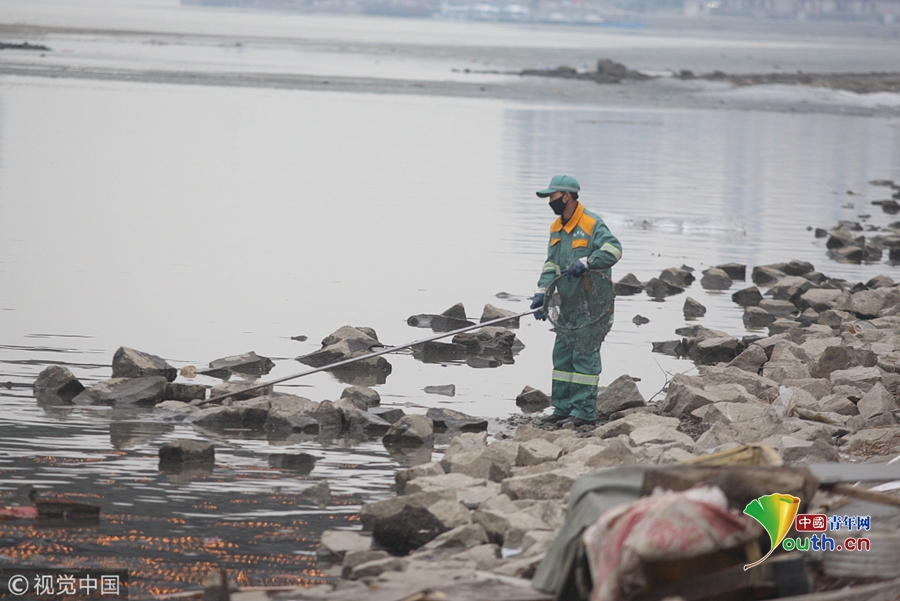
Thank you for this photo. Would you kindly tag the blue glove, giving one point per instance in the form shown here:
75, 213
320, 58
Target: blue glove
538, 303
575, 269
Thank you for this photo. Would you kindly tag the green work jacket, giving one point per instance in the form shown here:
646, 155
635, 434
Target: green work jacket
584, 235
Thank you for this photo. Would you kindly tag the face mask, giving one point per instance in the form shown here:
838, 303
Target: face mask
558, 205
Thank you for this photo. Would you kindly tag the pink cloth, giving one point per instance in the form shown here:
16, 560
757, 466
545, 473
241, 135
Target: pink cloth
665, 525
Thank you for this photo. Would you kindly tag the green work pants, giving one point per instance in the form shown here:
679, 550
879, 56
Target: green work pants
575, 379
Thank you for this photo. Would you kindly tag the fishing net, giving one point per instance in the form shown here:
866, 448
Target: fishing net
581, 309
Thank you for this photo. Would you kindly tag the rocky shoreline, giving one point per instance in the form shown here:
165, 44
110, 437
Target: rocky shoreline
611, 72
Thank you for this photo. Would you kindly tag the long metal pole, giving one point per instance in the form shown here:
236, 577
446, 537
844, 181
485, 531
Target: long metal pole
384, 351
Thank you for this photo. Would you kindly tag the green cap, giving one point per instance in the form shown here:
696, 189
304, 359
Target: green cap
560, 183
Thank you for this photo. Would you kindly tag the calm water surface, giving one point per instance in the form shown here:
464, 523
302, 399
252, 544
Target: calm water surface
200, 222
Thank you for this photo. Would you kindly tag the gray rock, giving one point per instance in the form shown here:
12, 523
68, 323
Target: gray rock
177, 454
536, 452
488, 339
334, 545
834, 318
291, 413
754, 317
622, 393
660, 289
747, 297
782, 325
251, 414
57, 384
790, 288
820, 299
176, 391
715, 350
676, 276
447, 419
425, 470
329, 417
443, 390
356, 558
440, 482
457, 311
628, 286
881, 281
129, 363
778, 308
247, 363
877, 406
817, 387
693, 309
660, 435
494, 462
362, 396
389, 414
736, 271
796, 267
842, 238
765, 275
779, 371
491, 312
547, 485
237, 391
532, 400
629, 423
410, 430
371, 569
715, 279
863, 378
834, 358
417, 527
751, 359
808, 318
673, 348
369, 424
124, 391
756, 386
462, 537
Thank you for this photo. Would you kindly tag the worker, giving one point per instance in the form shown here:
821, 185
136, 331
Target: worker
579, 241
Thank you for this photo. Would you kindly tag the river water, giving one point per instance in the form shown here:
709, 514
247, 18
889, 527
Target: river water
195, 222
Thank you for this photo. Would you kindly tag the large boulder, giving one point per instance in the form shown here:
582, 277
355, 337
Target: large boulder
129, 363
628, 286
736, 271
124, 391
715, 279
677, 276
410, 431
291, 413
790, 288
751, 359
754, 317
765, 275
622, 393
693, 309
863, 378
57, 384
660, 289
417, 527
715, 350
545, 485
820, 299
747, 297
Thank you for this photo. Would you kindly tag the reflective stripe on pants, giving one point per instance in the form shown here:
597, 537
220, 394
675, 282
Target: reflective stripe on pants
575, 378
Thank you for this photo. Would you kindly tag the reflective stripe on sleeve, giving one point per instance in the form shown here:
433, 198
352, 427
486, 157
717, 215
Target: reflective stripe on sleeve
612, 250
551, 266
